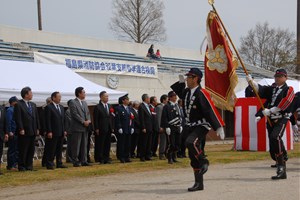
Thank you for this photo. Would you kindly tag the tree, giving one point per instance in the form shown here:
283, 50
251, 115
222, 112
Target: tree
140, 21
269, 47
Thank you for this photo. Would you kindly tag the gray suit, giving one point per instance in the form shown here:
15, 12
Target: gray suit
162, 136
79, 114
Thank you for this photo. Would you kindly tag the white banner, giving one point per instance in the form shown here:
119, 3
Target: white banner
99, 65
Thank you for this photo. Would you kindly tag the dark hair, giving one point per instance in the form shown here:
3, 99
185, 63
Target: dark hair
152, 99
69, 102
102, 93
25, 91
54, 95
198, 80
163, 98
179, 101
78, 91
144, 97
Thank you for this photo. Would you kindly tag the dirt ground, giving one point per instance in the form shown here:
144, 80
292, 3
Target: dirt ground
246, 180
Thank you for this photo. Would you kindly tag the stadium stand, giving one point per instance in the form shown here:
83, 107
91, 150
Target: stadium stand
24, 52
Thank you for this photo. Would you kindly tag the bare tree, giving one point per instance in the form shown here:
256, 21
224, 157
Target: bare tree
140, 21
266, 47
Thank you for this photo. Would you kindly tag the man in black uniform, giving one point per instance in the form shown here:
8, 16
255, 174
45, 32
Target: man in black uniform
279, 98
296, 122
171, 123
201, 115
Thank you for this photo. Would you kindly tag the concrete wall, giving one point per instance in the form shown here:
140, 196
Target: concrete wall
13, 34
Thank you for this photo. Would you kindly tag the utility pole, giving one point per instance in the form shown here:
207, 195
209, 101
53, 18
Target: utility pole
39, 14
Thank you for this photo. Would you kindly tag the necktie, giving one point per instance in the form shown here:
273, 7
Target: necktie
57, 107
188, 98
29, 107
106, 109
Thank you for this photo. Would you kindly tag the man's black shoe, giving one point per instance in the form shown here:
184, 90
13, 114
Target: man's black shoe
50, 167
61, 166
86, 164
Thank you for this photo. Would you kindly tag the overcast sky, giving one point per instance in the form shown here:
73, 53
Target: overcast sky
184, 19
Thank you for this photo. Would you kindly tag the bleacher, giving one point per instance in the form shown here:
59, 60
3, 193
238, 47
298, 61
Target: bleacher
24, 52
13, 51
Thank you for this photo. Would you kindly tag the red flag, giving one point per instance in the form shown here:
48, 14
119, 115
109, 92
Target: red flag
220, 66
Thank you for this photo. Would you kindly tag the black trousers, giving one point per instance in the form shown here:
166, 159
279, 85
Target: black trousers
154, 145
123, 146
194, 143
173, 141
26, 152
1, 149
54, 150
275, 133
102, 147
134, 142
145, 141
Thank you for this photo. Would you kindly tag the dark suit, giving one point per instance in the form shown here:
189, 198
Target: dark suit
145, 138
3, 130
79, 114
155, 130
135, 135
26, 119
54, 120
69, 134
124, 122
103, 121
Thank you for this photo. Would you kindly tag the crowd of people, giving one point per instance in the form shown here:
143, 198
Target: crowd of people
143, 130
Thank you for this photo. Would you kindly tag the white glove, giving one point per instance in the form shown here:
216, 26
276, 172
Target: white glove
298, 122
181, 78
220, 132
257, 119
295, 128
266, 112
275, 109
168, 131
180, 129
132, 130
120, 131
249, 78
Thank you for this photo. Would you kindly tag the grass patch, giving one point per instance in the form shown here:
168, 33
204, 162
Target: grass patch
217, 154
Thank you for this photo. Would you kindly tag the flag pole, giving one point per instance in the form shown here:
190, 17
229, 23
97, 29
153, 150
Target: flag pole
211, 2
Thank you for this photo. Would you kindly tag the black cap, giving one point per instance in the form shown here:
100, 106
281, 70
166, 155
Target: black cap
171, 93
122, 98
13, 99
195, 72
280, 72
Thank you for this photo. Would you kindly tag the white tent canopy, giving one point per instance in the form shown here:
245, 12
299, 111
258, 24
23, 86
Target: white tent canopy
44, 79
267, 81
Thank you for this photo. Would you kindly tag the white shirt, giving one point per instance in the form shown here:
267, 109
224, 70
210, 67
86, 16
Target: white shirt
193, 91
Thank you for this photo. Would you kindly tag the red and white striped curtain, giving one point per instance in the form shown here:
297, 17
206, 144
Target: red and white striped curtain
249, 135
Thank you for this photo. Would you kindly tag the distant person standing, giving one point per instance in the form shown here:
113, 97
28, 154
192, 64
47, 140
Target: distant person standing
27, 121
104, 127
56, 132
124, 125
80, 121
146, 123
162, 134
68, 120
12, 152
155, 132
171, 122
3, 132
135, 135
